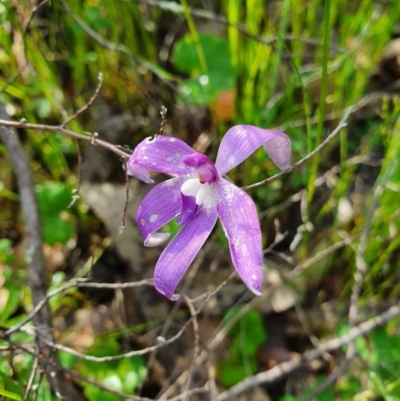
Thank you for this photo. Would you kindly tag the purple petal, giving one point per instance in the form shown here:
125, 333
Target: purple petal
242, 140
239, 220
189, 208
204, 166
139, 172
159, 206
163, 154
181, 251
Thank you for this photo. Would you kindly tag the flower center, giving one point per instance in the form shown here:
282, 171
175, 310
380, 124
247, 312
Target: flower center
200, 179
203, 192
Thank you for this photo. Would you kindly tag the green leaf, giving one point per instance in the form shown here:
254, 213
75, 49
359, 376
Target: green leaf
13, 301
67, 360
122, 375
204, 88
387, 351
249, 327
12, 387
232, 374
325, 395
5, 244
53, 197
216, 52
56, 230
10, 395
42, 106
248, 334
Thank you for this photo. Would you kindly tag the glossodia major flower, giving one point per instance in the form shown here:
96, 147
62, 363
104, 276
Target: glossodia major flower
199, 195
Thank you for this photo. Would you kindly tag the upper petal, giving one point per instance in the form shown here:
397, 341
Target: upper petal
163, 154
139, 172
181, 251
240, 222
159, 206
242, 140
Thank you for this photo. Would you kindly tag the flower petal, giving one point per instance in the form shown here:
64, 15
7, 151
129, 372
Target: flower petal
239, 220
189, 208
163, 154
181, 251
139, 172
242, 140
159, 206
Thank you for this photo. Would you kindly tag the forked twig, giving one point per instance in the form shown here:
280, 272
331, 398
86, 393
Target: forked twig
87, 104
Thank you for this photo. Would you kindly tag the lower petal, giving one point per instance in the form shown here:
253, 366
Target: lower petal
181, 251
239, 219
189, 208
159, 206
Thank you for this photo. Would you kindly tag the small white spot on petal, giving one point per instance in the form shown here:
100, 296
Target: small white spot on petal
235, 242
181, 166
145, 157
153, 217
231, 161
169, 158
143, 222
153, 163
254, 276
178, 154
169, 183
172, 139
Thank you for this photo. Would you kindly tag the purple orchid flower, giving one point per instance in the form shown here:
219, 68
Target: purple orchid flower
199, 194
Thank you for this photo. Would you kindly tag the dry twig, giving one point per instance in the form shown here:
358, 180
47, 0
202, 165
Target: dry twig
283, 369
35, 263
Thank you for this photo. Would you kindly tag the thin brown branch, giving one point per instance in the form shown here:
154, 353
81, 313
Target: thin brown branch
361, 264
125, 355
322, 254
87, 104
139, 352
25, 32
49, 364
79, 283
60, 129
35, 263
75, 192
122, 227
163, 114
196, 350
283, 369
31, 379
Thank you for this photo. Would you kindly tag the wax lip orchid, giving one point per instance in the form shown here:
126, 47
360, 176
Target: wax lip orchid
199, 195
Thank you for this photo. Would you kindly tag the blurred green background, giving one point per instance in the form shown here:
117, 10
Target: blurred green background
294, 65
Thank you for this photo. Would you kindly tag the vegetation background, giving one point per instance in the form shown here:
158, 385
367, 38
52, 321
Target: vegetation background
79, 318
